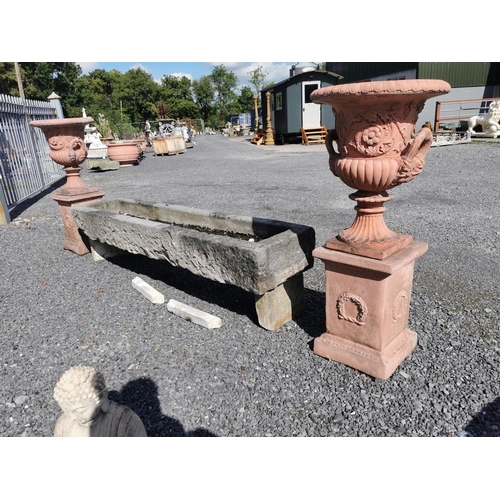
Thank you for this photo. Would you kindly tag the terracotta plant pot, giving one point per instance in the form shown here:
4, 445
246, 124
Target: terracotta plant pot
375, 123
126, 153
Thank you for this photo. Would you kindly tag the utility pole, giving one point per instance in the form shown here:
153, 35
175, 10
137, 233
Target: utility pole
19, 81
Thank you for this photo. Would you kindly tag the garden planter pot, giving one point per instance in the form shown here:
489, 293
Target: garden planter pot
126, 153
65, 137
375, 122
369, 267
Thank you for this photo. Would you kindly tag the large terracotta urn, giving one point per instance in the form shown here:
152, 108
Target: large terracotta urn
369, 267
376, 151
65, 137
124, 152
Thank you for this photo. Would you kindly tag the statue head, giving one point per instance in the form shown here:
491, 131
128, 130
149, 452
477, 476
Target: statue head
82, 395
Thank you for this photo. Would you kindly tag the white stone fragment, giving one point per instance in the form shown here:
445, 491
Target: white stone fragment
148, 291
195, 315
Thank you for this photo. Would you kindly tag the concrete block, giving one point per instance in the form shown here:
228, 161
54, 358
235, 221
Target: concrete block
148, 291
195, 315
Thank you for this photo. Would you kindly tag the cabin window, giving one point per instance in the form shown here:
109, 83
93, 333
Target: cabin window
308, 90
279, 100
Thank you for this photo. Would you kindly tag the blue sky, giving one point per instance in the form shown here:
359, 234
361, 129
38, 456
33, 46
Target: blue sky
277, 71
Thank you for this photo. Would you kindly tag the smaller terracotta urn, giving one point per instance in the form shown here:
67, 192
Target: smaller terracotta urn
124, 152
65, 137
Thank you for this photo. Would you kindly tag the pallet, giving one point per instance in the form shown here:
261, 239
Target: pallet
313, 135
258, 138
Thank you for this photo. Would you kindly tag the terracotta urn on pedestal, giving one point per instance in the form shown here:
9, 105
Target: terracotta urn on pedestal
369, 267
65, 137
124, 152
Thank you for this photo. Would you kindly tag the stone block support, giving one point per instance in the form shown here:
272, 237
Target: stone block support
367, 308
278, 306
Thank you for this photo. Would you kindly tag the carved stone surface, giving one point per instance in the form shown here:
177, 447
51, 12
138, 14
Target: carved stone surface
87, 412
375, 122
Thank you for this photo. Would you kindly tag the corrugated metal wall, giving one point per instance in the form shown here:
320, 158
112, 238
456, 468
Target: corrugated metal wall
457, 74
357, 71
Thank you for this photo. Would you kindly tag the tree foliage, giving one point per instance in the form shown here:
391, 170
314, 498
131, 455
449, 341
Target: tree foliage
257, 78
134, 96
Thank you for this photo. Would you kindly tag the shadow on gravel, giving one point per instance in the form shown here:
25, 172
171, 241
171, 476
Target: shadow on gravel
24, 205
487, 422
226, 296
312, 319
141, 396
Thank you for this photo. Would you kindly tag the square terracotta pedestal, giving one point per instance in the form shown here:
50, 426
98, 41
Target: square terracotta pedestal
367, 308
73, 240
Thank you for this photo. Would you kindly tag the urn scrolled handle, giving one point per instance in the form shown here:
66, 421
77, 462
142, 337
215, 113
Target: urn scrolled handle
76, 147
330, 138
412, 159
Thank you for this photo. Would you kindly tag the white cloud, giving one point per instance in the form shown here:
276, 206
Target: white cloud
141, 66
87, 67
180, 75
276, 72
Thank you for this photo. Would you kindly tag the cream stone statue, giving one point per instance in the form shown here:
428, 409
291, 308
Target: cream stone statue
87, 412
488, 121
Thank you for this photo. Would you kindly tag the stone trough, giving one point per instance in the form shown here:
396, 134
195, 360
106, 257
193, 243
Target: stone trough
263, 256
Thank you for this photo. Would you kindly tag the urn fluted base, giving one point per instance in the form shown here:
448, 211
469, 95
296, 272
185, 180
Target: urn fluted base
369, 235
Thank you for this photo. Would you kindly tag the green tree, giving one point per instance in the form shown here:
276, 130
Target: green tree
8, 80
204, 95
224, 83
245, 100
257, 78
136, 94
40, 79
96, 93
178, 95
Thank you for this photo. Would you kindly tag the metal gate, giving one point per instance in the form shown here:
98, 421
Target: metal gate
25, 165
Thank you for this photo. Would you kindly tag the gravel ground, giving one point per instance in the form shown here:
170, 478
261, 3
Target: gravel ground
59, 309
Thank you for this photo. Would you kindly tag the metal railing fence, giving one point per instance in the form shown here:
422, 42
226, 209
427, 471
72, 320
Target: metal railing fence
25, 165
460, 110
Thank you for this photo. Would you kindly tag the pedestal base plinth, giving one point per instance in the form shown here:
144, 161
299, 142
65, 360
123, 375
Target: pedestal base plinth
73, 240
379, 364
367, 309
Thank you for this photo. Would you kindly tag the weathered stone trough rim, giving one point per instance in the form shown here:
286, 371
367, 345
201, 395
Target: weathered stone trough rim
285, 250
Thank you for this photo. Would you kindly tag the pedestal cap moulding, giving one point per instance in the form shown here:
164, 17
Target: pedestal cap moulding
377, 150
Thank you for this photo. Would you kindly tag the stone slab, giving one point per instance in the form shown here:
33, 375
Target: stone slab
148, 291
102, 165
195, 315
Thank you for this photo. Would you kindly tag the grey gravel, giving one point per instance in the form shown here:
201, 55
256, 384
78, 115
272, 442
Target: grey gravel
59, 309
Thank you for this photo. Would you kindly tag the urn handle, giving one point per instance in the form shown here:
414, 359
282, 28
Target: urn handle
412, 161
334, 156
76, 147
